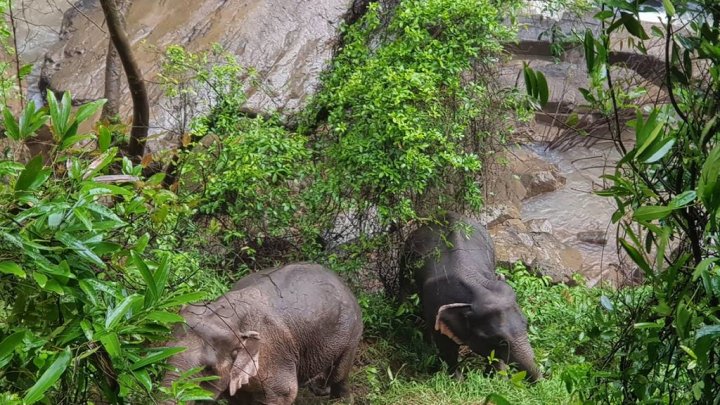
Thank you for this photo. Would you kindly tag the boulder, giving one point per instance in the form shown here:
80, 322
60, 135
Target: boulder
593, 237
539, 225
541, 252
288, 43
498, 214
543, 181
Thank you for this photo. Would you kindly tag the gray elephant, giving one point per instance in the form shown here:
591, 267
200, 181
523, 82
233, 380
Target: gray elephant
274, 329
463, 300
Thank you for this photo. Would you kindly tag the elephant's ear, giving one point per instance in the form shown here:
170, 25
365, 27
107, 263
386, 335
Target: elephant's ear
246, 362
450, 320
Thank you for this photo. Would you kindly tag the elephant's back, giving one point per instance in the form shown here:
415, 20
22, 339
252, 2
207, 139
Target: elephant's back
311, 301
458, 249
316, 309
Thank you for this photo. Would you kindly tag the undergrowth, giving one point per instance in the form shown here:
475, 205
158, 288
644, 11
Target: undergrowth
398, 365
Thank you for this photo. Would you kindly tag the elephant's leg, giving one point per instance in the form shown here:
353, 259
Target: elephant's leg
448, 351
339, 374
280, 390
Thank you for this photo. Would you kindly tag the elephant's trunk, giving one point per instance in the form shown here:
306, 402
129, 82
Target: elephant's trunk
521, 353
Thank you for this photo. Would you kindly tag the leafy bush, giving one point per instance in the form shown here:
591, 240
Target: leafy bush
398, 110
404, 118
565, 323
82, 299
569, 327
666, 189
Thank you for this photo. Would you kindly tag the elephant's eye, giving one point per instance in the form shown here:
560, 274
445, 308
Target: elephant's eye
234, 354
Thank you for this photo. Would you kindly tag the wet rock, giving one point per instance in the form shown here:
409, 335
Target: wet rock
593, 237
498, 214
539, 225
541, 182
288, 43
541, 252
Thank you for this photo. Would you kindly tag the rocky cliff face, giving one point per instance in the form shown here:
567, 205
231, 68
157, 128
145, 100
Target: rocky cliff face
288, 42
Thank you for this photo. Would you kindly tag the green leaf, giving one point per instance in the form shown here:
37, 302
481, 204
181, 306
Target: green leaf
8, 345
25, 70
31, 176
709, 331
11, 126
89, 292
58, 124
165, 317
636, 257
100, 163
31, 120
659, 151
496, 399
528, 81
12, 268
86, 110
683, 199
649, 213
144, 379
682, 319
633, 26
111, 343
104, 138
703, 266
80, 248
55, 219
606, 303
40, 279
156, 357
115, 315
669, 8
708, 187
161, 274
151, 295
105, 212
183, 299
650, 138
49, 377
92, 188
589, 45
82, 215
543, 91
73, 139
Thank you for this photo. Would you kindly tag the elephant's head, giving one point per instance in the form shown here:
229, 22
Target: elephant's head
219, 349
491, 322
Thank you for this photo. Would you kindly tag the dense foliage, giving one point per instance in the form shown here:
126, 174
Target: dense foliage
569, 331
95, 257
666, 188
84, 296
396, 112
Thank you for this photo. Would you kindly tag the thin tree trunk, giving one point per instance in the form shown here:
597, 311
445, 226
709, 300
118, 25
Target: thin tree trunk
141, 108
113, 66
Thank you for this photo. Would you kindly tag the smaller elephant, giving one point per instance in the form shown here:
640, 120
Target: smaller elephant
275, 329
463, 301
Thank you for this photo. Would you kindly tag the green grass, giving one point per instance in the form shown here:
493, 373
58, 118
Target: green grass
398, 366
441, 389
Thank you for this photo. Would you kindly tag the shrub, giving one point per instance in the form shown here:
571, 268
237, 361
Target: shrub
82, 299
666, 189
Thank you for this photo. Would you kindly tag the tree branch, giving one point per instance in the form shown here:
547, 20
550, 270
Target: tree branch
141, 107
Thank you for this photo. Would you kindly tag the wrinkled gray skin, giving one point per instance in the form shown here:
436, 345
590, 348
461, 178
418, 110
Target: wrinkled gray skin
275, 328
463, 301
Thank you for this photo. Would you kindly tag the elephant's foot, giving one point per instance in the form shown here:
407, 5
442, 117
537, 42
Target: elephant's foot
339, 390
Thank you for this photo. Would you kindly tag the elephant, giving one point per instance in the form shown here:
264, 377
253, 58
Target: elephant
275, 329
463, 301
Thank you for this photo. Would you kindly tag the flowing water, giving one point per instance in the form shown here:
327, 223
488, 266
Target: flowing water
580, 218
